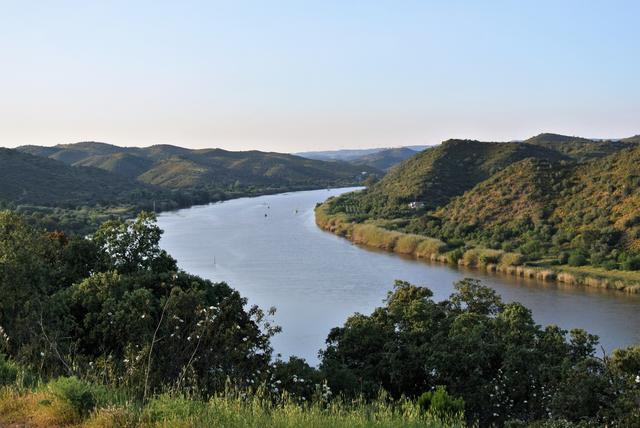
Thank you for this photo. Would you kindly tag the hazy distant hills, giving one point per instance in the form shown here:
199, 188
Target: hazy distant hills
384, 159
175, 167
381, 158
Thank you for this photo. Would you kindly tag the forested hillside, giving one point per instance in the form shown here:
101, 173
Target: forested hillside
27, 179
576, 203
435, 176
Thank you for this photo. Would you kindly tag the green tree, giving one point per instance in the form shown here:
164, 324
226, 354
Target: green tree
130, 246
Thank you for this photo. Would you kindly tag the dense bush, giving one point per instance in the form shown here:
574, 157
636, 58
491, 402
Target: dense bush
490, 354
116, 308
80, 395
439, 402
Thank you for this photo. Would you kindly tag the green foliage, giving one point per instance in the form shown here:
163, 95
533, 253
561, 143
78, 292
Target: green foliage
116, 308
575, 200
577, 259
209, 170
76, 187
8, 371
439, 402
490, 354
81, 395
631, 263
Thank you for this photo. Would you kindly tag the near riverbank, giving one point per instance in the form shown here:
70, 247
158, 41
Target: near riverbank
426, 248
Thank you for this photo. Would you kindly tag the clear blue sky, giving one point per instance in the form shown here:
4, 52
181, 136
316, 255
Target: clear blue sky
304, 75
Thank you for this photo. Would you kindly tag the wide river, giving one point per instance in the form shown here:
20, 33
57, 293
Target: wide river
270, 249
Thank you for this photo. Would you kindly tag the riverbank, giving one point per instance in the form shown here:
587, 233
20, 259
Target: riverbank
426, 248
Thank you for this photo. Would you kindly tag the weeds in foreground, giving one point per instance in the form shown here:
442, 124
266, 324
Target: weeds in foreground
73, 402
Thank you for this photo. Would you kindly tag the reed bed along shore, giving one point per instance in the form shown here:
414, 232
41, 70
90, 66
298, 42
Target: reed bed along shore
490, 260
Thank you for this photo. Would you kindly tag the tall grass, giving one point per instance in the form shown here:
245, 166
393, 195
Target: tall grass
76, 405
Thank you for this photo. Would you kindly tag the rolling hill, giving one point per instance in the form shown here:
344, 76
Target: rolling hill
355, 155
581, 149
553, 198
29, 179
385, 159
211, 170
434, 176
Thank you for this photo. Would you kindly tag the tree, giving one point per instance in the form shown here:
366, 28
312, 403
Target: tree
131, 246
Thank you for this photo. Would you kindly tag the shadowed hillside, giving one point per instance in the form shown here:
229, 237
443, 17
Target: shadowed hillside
28, 179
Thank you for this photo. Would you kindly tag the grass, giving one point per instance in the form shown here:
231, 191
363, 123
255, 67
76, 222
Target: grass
48, 405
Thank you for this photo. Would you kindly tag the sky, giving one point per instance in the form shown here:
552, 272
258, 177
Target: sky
292, 76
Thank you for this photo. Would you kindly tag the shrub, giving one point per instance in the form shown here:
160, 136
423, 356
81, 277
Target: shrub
407, 244
440, 403
577, 259
8, 371
429, 246
631, 263
563, 258
455, 255
470, 258
487, 256
512, 259
82, 396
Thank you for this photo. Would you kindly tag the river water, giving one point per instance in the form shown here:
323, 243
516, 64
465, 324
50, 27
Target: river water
270, 249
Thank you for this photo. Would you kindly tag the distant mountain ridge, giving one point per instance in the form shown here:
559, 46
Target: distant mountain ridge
349, 155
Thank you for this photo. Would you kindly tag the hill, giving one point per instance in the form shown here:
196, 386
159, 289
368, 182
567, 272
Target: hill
385, 159
211, 170
434, 176
581, 149
552, 199
541, 209
28, 179
354, 155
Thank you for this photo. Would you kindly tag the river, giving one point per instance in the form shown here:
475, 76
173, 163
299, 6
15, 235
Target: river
270, 249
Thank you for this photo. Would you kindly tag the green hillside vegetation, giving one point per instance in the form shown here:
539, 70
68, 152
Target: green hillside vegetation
581, 149
32, 180
125, 164
75, 187
579, 208
435, 176
385, 159
209, 170
589, 213
107, 331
